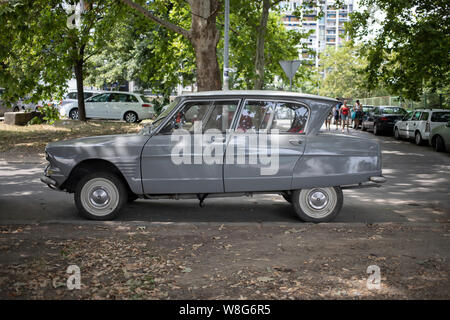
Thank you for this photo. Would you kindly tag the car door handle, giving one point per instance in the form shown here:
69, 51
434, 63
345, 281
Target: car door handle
296, 142
218, 139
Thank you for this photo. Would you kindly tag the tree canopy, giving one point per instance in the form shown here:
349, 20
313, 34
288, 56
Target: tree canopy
406, 43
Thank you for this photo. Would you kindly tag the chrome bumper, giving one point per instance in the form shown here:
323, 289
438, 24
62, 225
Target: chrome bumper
49, 182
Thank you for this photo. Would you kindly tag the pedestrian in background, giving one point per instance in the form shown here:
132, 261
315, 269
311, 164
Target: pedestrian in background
358, 114
336, 113
344, 115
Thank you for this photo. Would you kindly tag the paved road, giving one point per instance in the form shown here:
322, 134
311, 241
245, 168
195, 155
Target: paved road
418, 190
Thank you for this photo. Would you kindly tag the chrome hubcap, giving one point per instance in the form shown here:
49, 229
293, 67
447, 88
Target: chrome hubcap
130, 117
317, 199
99, 197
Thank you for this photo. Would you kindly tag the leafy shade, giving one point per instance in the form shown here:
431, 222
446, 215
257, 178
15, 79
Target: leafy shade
407, 46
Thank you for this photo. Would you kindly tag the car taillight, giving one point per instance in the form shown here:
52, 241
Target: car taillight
145, 105
427, 127
384, 119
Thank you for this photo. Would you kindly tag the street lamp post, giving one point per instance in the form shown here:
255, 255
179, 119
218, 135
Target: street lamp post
225, 46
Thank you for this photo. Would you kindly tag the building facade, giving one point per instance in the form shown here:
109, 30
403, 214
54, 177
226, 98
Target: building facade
326, 31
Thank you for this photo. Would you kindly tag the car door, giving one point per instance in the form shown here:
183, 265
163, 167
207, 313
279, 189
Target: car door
412, 124
263, 149
402, 125
370, 118
96, 106
117, 105
186, 155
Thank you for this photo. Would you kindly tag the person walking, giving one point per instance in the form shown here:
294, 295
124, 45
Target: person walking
336, 113
344, 115
358, 114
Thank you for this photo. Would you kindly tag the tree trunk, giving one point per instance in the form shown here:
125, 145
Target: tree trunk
258, 82
80, 92
204, 39
203, 36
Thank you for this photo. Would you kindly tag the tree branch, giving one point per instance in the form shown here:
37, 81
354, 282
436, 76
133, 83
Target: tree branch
164, 23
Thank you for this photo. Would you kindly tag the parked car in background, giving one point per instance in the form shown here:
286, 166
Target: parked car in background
118, 105
418, 124
308, 168
73, 96
440, 137
382, 119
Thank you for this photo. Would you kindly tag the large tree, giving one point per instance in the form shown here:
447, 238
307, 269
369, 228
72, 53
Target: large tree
202, 34
407, 44
45, 48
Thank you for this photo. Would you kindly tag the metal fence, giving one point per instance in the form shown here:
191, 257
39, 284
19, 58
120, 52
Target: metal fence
427, 101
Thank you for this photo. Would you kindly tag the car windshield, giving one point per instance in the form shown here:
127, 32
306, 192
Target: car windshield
393, 110
164, 113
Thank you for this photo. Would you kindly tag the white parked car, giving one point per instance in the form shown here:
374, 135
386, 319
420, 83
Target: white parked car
418, 124
131, 107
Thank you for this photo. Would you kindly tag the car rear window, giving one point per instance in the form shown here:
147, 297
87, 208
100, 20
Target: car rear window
440, 116
393, 111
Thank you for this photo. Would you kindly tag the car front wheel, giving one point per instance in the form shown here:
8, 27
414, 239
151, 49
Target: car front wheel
418, 139
317, 204
396, 134
440, 146
100, 196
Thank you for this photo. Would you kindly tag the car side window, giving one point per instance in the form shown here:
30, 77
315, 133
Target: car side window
424, 116
187, 116
290, 118
118, 97
132, 98
375, 110
221, 115
416, 116
99, 98
256, 115
271, 115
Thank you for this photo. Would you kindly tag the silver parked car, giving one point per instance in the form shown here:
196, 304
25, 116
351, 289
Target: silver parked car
214, 144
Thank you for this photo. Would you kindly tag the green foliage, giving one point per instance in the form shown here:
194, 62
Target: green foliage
344, 72
35, 120
51, 114
407, 44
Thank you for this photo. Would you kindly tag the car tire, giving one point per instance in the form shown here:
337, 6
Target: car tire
73, 114
418, 139
16, 109
318, 204
130, 117
363, 128
439, 144
100, 196
376, 131
397, 134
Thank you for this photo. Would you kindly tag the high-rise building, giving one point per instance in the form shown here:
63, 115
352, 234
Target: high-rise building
326, 31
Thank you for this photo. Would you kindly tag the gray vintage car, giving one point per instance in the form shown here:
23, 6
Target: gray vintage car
218, 144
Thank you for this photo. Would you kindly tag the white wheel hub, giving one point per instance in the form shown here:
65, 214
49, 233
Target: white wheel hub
318, 202
99, 196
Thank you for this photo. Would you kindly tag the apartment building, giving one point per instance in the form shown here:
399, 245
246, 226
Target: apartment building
326, 31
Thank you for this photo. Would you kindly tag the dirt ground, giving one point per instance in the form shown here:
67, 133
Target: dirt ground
184, 261
21, 143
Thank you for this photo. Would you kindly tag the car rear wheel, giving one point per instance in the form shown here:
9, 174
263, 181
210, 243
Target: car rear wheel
418, 138
16, 109
130, 117
317, 204
73, 114
439, 145
100, 196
